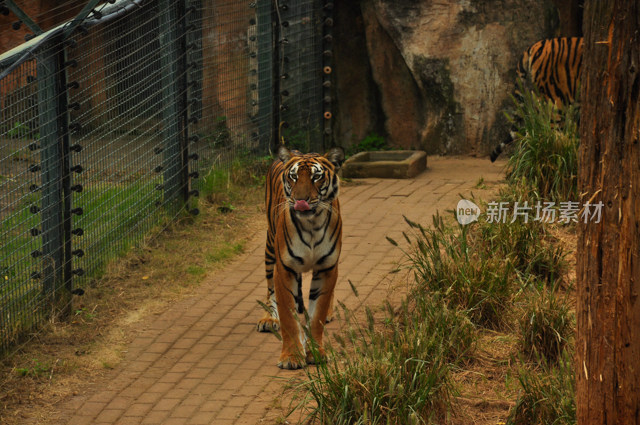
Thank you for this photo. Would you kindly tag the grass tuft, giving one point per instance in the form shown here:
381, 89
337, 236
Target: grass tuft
395, 370
548, 395
546, 153
448, 260
546, 325
223, 185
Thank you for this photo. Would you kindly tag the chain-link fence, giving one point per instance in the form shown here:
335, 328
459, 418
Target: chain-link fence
109, 122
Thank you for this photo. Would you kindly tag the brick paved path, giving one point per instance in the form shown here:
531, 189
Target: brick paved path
202, 361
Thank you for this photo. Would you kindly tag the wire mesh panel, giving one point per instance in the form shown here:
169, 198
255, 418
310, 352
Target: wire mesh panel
20, 202
119, 134
300, 69
112, 121
227, 76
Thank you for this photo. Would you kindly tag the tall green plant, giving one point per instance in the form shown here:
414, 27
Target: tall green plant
451, 261
528, 246
546, 325
546, 153
548, 395
397, 370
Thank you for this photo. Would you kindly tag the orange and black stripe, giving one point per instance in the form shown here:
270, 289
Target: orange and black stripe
552, 67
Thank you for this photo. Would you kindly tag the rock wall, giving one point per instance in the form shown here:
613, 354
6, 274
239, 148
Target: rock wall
440, 71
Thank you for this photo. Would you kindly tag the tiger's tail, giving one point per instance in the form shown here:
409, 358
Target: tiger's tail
497, 151
502, 146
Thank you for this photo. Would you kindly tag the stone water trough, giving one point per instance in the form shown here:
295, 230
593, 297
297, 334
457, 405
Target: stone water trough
385, 164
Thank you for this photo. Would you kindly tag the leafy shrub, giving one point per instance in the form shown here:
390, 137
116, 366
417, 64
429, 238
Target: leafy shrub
373, 142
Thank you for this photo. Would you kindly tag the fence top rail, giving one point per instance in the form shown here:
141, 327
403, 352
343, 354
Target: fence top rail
14, 57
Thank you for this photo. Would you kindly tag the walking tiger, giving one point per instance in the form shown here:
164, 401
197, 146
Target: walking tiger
304, 234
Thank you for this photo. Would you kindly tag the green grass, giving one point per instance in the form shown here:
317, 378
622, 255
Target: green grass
18, 243
481, 266
448, 259
373, 142
195, 270
546, 325
219, 183
35, 370
112, 220
110, 214
115, 217
542, 168
547, 396
546, 152
527, 247
395, 370
225, 251
20, 295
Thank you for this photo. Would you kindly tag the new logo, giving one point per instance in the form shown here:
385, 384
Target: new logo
467, 212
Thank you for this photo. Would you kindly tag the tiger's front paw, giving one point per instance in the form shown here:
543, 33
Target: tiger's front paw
268, 324
291, 362
316, 356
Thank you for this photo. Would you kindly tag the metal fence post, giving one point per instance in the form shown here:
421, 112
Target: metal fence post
193, 41
55, 169
171, 27
300, 79
327, 68
266, 125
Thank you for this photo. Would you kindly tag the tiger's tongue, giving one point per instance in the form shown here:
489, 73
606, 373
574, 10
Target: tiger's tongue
301, 205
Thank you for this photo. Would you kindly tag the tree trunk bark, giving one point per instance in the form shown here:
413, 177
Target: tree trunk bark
608, 267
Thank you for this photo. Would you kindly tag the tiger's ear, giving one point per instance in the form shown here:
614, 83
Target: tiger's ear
283, 153
336, 157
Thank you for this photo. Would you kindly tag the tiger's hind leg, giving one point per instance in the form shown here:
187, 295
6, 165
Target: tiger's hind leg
270, 321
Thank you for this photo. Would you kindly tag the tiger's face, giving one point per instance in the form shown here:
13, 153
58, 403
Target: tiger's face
310, 181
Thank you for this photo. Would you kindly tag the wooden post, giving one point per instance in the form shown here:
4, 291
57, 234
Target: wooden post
608, 266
